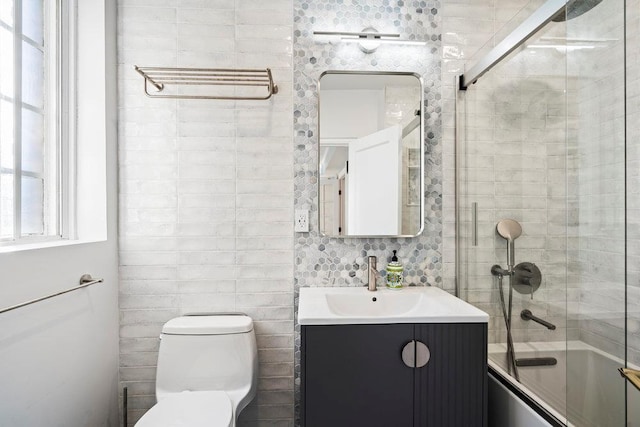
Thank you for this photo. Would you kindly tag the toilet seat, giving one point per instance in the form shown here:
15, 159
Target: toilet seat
190, 409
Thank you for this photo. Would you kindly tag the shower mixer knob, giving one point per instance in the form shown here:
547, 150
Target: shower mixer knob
526, 278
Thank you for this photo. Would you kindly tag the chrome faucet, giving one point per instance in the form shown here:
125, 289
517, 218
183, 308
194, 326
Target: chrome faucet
372, 273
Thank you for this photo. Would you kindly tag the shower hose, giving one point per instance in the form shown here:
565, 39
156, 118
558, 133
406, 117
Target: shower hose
511, 357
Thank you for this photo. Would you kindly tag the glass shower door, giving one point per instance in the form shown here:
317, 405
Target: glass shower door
596, 196
632, 92
513, 165
541, 140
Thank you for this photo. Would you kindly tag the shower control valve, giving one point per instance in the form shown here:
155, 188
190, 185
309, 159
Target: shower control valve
498, 271
527, 278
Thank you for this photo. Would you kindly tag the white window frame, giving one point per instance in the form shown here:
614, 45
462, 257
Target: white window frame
67, 58
59, 133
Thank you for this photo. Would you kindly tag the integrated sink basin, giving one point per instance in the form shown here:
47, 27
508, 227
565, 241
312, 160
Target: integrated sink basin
390, 303
358, 305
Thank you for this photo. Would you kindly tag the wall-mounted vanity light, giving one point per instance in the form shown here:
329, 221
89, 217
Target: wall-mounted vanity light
368, 39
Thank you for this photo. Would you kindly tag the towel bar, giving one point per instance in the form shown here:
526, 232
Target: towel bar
85, 280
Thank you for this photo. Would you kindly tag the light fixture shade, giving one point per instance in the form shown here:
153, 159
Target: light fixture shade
369, 39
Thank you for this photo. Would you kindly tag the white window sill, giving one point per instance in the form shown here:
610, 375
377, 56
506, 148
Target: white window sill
44, 245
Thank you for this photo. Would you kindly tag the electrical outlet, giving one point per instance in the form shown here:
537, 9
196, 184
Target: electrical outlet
301, 219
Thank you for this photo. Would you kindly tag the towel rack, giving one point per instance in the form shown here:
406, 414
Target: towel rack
162, 77
85, 280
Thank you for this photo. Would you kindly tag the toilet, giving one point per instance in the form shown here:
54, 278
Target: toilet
207, 371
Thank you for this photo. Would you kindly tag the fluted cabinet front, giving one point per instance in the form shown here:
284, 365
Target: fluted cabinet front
403, 375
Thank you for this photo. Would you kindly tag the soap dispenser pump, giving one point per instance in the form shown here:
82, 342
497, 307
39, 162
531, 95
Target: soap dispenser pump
395, 273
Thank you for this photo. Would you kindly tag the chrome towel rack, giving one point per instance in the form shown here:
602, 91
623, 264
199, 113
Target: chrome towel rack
160, 78
85, 280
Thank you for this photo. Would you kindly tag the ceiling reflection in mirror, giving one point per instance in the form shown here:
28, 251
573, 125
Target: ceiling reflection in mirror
370, 158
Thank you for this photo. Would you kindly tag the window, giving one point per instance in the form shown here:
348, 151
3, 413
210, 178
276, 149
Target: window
31, 128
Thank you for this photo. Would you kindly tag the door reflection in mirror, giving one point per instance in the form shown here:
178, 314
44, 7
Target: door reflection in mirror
371, 154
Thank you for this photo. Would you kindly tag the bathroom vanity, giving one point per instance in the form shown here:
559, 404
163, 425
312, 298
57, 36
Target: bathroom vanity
415, 357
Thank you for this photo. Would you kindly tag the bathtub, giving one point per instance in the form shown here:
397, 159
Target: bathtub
593, 396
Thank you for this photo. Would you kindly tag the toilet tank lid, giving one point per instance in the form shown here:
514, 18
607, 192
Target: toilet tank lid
208, 325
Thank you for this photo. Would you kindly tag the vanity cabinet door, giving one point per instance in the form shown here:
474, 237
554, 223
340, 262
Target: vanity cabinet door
353, 375
451, 389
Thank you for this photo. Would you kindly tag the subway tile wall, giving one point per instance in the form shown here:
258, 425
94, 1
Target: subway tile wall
206, 190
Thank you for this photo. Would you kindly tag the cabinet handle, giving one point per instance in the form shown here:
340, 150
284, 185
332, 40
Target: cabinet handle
415, 354
422, 354
409, 354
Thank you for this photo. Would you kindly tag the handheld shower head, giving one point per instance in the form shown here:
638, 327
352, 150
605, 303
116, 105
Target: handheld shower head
510, 230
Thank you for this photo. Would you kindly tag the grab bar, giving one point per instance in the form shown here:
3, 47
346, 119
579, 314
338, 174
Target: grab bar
528, 315
85, 280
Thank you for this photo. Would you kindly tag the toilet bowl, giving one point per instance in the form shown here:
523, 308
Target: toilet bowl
191, 409
207, 371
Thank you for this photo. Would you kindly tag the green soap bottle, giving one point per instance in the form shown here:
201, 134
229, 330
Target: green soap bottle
395, 273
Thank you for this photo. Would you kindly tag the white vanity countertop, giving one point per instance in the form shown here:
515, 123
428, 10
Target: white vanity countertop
356, 305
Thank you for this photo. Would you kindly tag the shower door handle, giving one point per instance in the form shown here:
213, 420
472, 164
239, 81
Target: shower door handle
474, 224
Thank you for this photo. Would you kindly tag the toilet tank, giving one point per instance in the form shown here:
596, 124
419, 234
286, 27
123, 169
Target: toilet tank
208, 353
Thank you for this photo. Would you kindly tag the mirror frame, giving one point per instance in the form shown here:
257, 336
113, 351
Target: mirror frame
422, 148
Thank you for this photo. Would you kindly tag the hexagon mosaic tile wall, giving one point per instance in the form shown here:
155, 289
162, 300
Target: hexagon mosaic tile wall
325, 261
